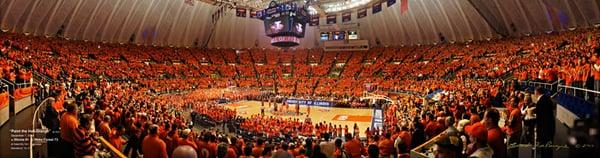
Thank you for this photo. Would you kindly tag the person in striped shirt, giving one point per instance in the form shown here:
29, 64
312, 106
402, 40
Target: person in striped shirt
84, 142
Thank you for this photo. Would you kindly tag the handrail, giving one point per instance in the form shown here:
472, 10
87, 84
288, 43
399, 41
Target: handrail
112, 149
541, 83
577, 88
35, 118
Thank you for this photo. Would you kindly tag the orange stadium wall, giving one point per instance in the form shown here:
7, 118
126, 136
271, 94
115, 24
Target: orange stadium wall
23, 103
4, 101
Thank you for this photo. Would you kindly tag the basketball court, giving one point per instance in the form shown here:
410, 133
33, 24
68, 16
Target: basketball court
333, 115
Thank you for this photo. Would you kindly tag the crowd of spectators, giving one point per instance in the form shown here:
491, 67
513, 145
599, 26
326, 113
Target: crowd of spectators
136, 121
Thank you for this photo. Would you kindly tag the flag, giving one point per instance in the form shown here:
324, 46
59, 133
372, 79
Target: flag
403, 6
331, 19
314, 20
362, 13
376, 7
391, 2
346, 16
240, 12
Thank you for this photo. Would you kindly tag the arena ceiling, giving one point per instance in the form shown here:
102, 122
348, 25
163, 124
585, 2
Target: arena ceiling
176, 23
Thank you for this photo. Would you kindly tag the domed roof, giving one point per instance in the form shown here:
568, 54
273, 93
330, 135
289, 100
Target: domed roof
179, 23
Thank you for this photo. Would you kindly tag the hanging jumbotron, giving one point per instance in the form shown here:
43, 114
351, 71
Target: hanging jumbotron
285, 22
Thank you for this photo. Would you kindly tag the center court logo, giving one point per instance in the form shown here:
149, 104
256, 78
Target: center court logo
342, 118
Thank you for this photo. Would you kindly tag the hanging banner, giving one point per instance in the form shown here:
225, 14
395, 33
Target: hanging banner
362, 13
331, 19
376, 7
346, 16
240, 12
253, 14
314, 20
391, 2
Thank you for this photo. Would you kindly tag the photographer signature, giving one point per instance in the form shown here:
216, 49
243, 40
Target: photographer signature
550, 145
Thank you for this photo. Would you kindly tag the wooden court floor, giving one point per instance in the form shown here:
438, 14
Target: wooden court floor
333, 115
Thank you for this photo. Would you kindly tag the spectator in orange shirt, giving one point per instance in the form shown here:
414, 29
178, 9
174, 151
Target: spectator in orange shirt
479, 145
247, 152
68, 126
116, 140
153, 146
495, 136
258, 149
595, 68
386, 146
353, 147
514, 125
104, 130
185, 140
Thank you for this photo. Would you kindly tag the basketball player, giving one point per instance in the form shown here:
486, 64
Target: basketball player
262, 109
307, 110
298, 109
287, 107
356, 130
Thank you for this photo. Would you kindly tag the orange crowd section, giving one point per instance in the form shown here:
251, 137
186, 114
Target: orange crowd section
23, 92
60, 101
4, 100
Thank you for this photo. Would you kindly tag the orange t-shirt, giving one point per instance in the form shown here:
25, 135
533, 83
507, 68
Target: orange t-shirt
257, 151
117, 142
596, 71
354, 148
154, 147
407, 138
187, 142
385, 147
68, 125
104, 130
495, 139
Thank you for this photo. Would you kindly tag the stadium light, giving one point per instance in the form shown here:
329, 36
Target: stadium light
343, 5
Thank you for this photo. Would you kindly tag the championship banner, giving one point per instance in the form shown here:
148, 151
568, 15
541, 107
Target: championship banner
314, 20
391, 2
240, 12
376, 7
346, 16
331, 19
362, 13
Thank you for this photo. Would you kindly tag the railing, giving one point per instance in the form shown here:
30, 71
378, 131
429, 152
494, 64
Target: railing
549, 86
37, 119
576, 91
24, 85
114, 151
10, 86
41, 77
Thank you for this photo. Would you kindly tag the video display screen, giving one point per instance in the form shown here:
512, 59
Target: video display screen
339, 35
352, 35
285, 20
324, 36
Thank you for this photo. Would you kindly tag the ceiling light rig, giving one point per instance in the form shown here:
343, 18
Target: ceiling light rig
316, 7
343, 5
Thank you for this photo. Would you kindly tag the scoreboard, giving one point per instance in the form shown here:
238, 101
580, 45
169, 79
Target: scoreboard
285, 23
